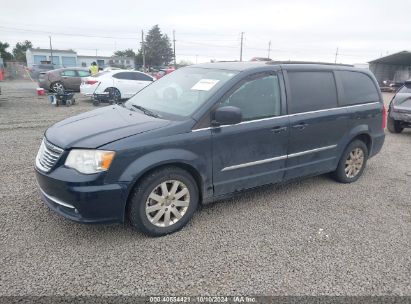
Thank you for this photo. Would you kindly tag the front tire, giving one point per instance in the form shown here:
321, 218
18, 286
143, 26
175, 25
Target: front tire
352, 162
163, 202
394, 126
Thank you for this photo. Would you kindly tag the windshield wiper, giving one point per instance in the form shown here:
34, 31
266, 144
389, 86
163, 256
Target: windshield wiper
146, 111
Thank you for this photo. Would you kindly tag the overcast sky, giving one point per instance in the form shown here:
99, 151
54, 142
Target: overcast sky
298, 30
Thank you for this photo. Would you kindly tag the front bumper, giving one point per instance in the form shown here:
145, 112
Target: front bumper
82, 198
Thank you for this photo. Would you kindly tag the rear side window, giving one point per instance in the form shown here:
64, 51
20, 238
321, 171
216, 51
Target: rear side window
69, 73
357, 88
141, 77
311, 91
124, 75
83, 73
405, 89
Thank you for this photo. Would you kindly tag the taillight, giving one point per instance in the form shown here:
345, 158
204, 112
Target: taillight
384, 117
91, 81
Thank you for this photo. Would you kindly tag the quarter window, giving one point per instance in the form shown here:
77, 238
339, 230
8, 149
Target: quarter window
357, 88
311, 91
257, 98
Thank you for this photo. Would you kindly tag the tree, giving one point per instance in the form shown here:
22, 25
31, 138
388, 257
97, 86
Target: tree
158, 49
183, 63
125, 53
3, 51
20, 49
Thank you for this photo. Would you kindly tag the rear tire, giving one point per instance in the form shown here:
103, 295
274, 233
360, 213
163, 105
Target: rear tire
394, 126
352, 162
57, 87
114, 95
163, 201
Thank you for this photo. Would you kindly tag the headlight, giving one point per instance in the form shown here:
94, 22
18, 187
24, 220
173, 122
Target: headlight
89, 161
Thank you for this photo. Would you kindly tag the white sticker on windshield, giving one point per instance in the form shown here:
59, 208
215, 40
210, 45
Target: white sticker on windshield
205, 84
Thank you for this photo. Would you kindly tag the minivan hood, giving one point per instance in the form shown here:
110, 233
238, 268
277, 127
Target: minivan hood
98, 127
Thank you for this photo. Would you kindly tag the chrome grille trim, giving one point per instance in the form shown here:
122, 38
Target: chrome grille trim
56, 200
47, 156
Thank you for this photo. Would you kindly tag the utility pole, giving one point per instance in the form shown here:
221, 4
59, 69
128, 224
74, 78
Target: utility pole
143, 51
174, 48
241, 46
336, 56
269, 49
51, 50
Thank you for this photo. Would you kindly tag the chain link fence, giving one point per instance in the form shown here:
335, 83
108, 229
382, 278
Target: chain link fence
16, 70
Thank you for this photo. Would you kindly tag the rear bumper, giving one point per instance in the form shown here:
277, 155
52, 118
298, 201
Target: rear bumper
377, 143
88, 90
405, 117
82, 201
44, 85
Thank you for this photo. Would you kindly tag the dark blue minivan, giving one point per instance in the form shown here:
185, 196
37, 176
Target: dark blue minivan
205, 132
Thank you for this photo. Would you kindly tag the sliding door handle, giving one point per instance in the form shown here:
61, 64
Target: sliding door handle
278, 129
300, 126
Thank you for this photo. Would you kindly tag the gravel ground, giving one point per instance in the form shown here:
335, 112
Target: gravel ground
311, 237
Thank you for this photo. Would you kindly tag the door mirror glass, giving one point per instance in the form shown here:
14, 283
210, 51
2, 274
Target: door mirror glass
227, 115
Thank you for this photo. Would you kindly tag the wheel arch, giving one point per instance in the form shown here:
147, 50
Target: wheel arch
360, 132
143, 168
366, 138
113, 87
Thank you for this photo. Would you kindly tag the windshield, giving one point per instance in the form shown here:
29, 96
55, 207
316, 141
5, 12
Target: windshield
405, 89
182, 92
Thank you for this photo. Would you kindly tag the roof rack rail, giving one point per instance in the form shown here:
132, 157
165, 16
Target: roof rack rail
308, 62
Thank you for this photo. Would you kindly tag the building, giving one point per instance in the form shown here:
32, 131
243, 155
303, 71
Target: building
60, 57
123, 62
70, 58
395, 67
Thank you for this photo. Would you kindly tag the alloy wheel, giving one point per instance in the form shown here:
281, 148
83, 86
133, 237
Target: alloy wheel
58, 87
354, 162
167, 203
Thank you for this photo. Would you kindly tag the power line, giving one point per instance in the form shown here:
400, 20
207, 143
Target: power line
65, 34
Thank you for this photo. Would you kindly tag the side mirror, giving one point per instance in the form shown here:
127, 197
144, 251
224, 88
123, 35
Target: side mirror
227, 115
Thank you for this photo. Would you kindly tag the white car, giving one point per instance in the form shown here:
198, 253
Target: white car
119, 84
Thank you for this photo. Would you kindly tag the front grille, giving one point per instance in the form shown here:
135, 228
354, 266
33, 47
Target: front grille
47, 156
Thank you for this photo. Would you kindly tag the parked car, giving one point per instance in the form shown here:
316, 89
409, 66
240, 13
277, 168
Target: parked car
399, 111
229, 127
160, 73
37, 69
260, 59
63, 79
120, 84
